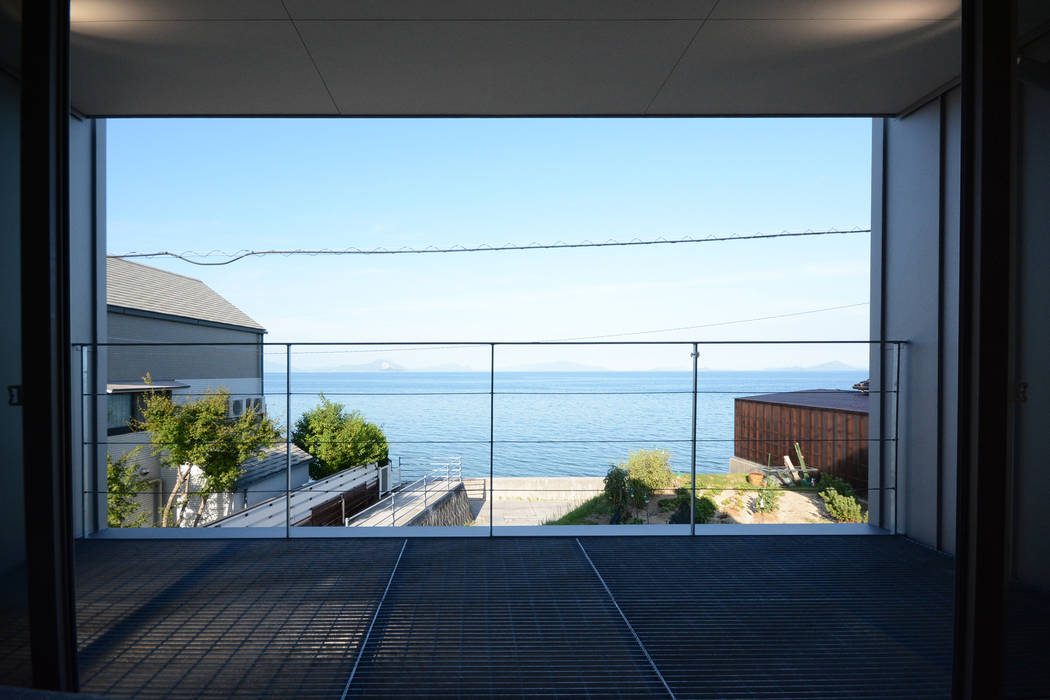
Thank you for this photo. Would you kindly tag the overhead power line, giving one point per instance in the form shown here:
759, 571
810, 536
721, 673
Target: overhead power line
719, 323
199, 258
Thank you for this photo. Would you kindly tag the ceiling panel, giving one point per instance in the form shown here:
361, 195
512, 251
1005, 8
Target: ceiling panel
495, 67
812, 67
125, 10
160, 68
497, 9
838, 9
1032, 17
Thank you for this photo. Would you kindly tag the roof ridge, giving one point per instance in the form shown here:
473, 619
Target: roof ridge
150, 267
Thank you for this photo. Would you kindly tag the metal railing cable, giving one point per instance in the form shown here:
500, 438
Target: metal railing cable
501, 390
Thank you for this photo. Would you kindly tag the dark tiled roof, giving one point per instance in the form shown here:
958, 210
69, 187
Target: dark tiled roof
834, 399
130, 285
272, 461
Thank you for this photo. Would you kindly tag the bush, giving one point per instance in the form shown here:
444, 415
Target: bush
767, 501
617, 489
703, 508
650, 469
338, 440
833, 482
842, 508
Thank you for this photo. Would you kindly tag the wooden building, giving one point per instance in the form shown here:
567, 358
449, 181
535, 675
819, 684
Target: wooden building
830, 426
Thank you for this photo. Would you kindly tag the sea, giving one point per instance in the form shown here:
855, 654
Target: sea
545, 424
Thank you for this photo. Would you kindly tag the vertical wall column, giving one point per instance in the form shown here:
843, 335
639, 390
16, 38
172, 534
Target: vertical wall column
87, 310
915, 297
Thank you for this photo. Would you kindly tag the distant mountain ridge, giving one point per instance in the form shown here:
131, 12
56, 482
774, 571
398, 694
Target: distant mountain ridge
833, 366
373, 366
563, 366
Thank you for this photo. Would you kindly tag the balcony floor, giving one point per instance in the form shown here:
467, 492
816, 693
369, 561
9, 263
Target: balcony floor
718, 616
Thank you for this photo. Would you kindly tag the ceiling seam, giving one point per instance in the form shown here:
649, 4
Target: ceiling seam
681, 56
311, 57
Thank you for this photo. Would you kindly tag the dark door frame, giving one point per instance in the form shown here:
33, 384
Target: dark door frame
45, 342
988, 29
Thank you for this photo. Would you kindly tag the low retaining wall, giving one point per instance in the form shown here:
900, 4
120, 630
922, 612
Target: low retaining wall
451, 510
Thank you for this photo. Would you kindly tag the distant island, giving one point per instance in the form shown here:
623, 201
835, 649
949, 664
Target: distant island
382, 365
374, 366
553, 367
833, 366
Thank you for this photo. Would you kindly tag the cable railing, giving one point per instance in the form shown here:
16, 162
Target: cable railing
535, 444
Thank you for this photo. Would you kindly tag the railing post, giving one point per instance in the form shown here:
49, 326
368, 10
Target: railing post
692, 460
492, 433
424, 491
288, 440
896, 436
393, 508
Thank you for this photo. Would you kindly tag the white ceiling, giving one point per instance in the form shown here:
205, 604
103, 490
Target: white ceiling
510, 57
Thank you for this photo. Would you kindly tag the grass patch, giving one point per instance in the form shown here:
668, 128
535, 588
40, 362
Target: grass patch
581, 514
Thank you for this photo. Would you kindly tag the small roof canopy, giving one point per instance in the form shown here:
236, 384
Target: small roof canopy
507, 57
137, 387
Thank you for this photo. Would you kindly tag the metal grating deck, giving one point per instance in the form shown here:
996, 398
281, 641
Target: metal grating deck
220, 618
721, 616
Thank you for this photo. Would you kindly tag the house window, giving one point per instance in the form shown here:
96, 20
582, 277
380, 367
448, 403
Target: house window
118, 412
124, 411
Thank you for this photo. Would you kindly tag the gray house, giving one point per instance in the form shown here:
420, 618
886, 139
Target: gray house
148, 305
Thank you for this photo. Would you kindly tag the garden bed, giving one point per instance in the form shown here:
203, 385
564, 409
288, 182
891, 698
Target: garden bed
733, 497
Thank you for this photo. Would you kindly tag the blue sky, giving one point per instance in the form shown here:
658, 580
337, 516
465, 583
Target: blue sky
228, 184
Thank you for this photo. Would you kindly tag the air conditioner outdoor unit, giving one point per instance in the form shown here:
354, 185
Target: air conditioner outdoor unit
384, 479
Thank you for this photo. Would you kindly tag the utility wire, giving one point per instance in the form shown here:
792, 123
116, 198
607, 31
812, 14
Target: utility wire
197, 258
712, 325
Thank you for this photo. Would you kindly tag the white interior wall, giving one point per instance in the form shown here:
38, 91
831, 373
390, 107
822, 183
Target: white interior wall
915, 222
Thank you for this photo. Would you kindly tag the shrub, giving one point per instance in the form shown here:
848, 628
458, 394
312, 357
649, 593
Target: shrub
650, 469
767, 500
338, 440
833, 482
842, 508
703, 508
639, 493
617, 489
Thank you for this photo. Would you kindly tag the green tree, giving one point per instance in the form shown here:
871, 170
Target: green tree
199, 434
124, 483
337, 439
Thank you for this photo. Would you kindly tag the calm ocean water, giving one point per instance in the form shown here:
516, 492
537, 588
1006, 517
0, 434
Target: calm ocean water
547, 423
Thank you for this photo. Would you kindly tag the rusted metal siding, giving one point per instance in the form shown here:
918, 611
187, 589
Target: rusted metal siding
832, 440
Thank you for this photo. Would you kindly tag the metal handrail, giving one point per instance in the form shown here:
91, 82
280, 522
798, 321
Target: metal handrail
448, 472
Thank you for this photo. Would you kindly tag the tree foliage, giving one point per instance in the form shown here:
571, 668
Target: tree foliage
123, 484
199, 434
617, 489
650, 469
338, 439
